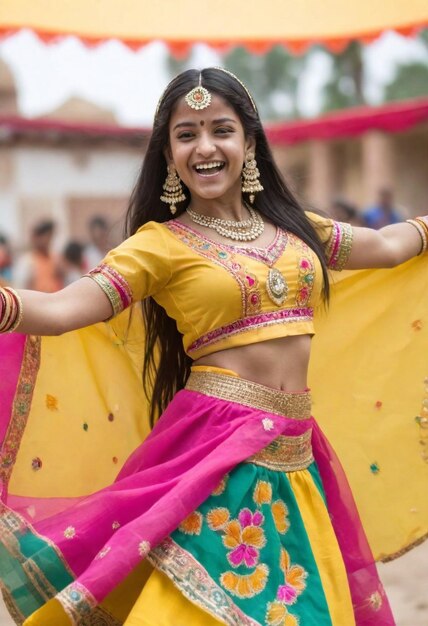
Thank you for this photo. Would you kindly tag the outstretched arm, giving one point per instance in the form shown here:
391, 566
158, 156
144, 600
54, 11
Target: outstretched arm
387, 247
80, 304
138, 268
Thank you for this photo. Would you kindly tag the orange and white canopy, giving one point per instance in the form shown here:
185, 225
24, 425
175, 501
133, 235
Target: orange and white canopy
256, 24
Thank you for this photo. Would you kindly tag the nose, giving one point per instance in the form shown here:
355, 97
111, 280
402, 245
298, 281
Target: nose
205, 146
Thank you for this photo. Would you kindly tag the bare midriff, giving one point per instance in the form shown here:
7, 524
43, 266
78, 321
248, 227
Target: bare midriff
278, 363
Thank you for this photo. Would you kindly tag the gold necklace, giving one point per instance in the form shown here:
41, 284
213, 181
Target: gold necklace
244, 230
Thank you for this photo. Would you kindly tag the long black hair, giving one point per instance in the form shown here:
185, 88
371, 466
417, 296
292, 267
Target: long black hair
166, 365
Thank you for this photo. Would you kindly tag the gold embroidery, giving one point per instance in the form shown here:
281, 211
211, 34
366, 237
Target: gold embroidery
11, 606
196, 584
81, 607
285, 454
10, 523
404, 550
21, 407
109, 290
339, 246
248, 393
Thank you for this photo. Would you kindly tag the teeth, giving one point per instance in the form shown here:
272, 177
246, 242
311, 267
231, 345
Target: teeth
208, 166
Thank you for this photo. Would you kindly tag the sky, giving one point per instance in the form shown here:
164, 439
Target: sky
130, 83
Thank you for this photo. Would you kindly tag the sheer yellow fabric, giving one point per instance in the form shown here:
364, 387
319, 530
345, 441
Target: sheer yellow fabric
368, 375
324, 547
162, 604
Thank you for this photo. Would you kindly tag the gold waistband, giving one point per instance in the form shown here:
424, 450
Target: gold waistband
248, 393
286, 454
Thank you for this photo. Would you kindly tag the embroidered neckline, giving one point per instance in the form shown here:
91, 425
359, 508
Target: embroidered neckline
268, 255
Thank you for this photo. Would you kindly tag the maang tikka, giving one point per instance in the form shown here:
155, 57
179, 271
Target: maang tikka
198, 98
173, 191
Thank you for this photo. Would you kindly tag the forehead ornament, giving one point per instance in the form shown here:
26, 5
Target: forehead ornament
199, 97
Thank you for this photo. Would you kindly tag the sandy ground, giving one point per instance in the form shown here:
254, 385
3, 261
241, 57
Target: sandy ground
405, 581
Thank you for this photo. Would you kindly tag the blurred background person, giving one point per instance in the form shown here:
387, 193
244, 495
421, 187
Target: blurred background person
73, 264
39, 267
383, 212
342, 210
5, 261
99, 231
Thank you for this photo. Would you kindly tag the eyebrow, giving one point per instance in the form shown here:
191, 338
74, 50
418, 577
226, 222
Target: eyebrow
221, 120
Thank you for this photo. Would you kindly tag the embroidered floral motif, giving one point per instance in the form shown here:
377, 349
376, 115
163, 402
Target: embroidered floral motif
225, 257
376, 601
246, 585
245, 538
218, 518
70, 532
306, 270
192, 525
221, 486
278, 615
267, 255
268, 424
115, 525
36, 464
144, 548
262, 492
280, 516
51, 402
287, 594
103, 553
374, 468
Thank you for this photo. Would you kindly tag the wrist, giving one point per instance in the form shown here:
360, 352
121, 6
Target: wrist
10, 310
421, 225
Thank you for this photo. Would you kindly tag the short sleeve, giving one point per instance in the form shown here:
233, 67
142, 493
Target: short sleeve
337, 238
139, 267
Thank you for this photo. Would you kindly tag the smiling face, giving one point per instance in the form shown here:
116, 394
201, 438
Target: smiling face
208, 149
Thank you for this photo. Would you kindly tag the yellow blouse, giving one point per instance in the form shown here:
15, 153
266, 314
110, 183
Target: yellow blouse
223, 296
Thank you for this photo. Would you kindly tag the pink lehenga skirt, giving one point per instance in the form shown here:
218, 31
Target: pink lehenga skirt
215, 499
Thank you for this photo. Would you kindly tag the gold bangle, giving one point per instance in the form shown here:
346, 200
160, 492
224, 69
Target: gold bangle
19, 312
12, 312
7, 311
423, 234
423, 221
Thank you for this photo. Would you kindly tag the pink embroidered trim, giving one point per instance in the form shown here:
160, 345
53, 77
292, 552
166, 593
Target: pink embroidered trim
223, 256
267, 255
299, 314
334, 246
340, 246
114, 285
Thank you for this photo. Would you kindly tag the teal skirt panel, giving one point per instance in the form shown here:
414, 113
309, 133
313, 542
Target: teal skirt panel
250, 538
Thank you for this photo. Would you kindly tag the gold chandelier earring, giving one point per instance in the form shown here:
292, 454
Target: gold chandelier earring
250, 177
173, 191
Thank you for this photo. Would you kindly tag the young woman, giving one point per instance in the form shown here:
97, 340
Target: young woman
235, 509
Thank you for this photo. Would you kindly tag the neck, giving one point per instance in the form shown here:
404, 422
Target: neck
235, 210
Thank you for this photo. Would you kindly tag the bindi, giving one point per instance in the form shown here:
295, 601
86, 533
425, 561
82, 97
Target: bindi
202, 123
